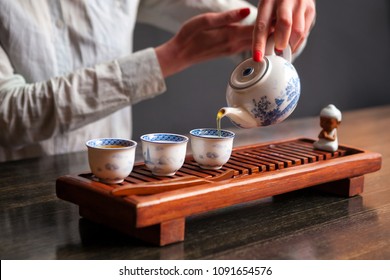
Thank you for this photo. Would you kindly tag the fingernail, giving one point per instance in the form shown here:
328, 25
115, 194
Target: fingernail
244, 12
257, 56
278, 51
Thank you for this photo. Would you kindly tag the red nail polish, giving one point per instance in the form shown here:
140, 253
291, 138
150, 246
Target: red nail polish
244, 12
278, 52
257, 56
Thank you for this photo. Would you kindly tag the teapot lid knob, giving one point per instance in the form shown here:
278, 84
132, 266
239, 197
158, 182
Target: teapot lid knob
248, 73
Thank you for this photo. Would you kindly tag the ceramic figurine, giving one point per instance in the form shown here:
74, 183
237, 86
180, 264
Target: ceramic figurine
330, 118
262, 93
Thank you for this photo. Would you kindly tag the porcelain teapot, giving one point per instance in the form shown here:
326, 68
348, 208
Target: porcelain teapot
262, 93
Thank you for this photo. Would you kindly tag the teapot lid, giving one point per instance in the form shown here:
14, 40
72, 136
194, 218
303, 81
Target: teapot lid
248, 73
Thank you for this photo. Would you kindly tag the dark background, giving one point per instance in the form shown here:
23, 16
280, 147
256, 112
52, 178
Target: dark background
345, 63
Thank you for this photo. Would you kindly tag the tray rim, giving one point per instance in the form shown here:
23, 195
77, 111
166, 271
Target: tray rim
153, 209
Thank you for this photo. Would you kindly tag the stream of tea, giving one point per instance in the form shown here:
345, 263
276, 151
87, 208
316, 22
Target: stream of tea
219, 117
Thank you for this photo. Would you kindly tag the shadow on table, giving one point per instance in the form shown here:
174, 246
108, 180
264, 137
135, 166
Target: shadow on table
234, 232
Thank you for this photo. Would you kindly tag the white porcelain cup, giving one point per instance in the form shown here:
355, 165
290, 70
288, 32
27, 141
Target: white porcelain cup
111, 159
210, 149
164, 153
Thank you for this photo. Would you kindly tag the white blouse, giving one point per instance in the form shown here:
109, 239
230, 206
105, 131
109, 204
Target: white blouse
68, 74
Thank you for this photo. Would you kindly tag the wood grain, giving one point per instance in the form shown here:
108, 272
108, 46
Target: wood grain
304, 224
158, 202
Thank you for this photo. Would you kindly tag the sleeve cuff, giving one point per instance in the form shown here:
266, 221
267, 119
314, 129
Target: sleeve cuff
141, 75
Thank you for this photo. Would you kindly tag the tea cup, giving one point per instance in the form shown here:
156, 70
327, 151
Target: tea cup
111, 159
211, 148
164, 153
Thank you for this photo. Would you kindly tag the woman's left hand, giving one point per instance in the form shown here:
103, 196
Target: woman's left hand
204, 37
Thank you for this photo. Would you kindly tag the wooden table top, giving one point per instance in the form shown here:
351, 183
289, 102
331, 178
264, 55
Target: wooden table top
304, 224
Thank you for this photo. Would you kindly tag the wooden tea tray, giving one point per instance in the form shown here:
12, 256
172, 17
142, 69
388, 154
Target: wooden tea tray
154, 208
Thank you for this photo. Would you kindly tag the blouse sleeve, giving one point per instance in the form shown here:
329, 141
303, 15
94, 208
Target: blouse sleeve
31, 112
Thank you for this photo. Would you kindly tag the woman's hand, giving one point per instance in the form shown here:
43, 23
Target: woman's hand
290, 20
205, 37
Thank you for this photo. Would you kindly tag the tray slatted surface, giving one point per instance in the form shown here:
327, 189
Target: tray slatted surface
252, 172
243, 162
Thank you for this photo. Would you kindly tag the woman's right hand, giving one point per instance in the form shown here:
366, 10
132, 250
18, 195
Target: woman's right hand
289, 20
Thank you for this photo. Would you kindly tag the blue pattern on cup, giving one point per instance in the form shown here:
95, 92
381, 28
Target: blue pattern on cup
212, 132
164, 138
97, 143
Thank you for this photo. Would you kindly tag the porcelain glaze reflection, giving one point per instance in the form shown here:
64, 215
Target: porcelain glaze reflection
111, 165
210, 150
274, 111
164, 153
265, 96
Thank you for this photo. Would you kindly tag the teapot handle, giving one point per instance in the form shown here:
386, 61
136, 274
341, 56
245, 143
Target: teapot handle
270, 49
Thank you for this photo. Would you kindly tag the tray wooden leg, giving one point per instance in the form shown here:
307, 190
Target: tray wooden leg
160, 234
346, 187
163, 234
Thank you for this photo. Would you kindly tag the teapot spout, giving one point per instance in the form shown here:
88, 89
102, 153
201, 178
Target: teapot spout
239, 116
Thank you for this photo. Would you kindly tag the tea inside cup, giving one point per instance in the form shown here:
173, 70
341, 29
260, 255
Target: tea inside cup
211, 148
164, 153
111, 159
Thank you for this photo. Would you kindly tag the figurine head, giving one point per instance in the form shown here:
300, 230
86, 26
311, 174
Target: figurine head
330, 117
